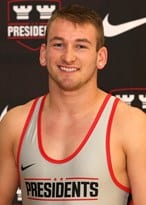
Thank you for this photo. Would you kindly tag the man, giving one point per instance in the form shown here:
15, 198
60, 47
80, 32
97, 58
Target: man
77, 144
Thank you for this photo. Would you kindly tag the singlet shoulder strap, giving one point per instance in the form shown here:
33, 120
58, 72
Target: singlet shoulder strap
34, 109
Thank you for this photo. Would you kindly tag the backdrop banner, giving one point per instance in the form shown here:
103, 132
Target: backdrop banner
23, 26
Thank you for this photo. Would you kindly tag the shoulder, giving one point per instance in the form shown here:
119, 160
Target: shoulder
129, 115
12, 123
130, 123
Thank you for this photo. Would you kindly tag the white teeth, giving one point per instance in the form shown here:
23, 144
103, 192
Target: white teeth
68, 69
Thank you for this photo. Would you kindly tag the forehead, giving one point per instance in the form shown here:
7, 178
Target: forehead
67, 29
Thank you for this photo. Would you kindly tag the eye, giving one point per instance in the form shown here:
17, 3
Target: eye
58, 45
81, 46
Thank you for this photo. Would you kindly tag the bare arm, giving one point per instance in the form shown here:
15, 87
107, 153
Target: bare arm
8, 169
135, 148
10, 131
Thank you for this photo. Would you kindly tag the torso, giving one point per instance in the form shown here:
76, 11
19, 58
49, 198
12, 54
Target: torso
61, 146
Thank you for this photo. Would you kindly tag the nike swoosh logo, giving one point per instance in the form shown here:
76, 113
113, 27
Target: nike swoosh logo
115, 30
26, 167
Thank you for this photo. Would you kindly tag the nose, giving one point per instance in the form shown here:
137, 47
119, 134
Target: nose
69, 55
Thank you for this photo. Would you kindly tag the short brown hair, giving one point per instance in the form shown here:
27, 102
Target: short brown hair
80, 15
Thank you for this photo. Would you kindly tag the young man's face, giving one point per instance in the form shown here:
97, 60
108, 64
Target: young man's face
70, 55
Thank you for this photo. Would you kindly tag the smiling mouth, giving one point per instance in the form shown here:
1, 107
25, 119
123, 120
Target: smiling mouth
68, 69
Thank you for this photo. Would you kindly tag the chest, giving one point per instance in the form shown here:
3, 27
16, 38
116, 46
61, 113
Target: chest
81, 142
82, 174
62, 138
87, 159
68, 160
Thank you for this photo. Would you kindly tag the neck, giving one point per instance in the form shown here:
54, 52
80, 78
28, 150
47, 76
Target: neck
74, 102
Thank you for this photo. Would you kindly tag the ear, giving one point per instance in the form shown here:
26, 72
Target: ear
43, 54
101, 57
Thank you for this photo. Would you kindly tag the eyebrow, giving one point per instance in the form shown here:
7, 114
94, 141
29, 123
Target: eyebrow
84, 40
55, 38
